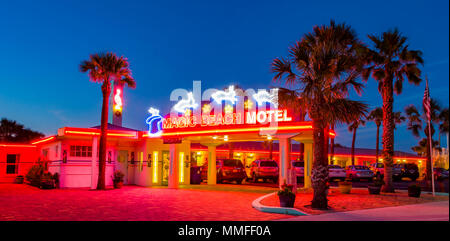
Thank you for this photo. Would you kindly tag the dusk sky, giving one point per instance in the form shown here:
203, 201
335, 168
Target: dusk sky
171, 44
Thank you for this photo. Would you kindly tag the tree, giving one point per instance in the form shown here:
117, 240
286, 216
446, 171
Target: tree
443, 126
390, 62
352, 128
416, 121
104, 68
376, 115
11, 131
324, 64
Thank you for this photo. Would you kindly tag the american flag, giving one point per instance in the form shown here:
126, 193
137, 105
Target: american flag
426, 101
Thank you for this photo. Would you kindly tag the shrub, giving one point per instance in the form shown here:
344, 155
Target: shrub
378, 182
118, 176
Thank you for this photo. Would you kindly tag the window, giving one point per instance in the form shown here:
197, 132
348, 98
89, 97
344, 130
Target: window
81, 151
12, 164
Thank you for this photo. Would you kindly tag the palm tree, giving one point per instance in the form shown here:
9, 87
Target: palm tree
415, 125
390, 63
324, 63
352, 128
443, 127
104, 68
376, 115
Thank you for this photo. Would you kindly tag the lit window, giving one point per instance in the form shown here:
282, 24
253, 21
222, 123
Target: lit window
81, 151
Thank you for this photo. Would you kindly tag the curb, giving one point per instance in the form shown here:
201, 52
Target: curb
256, 204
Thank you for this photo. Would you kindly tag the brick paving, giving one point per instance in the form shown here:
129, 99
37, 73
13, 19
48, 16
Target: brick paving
358, 199
23, 202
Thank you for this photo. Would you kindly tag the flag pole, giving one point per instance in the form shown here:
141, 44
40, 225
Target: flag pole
430, 141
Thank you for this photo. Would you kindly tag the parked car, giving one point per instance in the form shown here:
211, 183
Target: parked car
378, 169
227, 170
336, 172
263, 169
358, 172
440, 173
409, 170
299, 168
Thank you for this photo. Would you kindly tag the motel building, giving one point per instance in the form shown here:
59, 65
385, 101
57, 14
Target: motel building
191, 136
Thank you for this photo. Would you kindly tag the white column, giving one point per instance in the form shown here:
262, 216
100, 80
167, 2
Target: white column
285, 161
173, 166
212, 171
308, 164
94, 162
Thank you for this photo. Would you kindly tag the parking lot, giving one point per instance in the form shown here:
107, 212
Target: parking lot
441, 186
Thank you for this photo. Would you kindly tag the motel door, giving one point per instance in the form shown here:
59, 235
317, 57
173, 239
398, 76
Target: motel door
165, 168
122, 164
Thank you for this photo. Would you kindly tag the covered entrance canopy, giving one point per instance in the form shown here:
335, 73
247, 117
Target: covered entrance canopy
284, 130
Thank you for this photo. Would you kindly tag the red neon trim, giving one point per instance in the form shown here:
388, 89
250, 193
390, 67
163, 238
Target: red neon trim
90, 132
43, 140
16, 145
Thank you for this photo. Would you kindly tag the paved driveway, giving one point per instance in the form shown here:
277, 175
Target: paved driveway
23, 202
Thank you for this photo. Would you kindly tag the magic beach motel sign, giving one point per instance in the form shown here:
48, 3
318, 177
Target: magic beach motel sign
229, 117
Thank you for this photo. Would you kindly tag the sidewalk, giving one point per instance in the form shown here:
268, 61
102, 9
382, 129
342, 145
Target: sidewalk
432, 211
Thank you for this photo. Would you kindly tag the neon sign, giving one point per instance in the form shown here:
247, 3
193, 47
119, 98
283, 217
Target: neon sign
183, 105
252, 117
154, 122
118, 101
229, 95
265, 97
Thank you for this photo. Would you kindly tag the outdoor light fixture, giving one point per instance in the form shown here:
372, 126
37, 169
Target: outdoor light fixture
269, 137
214, 137
182, 105
229, 95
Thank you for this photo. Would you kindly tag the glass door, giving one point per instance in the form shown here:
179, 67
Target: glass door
165, 168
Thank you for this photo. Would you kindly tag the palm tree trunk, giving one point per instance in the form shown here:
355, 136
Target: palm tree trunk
353, 146
106, 91
378, 143
332, 147
319, 175
388, 134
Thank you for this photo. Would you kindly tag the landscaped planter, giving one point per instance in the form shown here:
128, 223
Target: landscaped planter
287, 201
414, 191
374, 189
345, 187
47, 184
19, 179
118, 179
118, 185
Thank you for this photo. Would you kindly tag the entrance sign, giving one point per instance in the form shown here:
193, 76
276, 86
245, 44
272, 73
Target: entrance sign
184, 105
251, 117
229, 95
265, 97
154, 122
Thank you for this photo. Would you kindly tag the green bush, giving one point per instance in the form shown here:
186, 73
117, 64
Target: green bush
34, 173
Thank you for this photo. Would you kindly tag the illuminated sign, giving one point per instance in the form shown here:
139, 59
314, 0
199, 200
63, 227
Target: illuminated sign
154, 122
229, 95
265, 97
118, 105
183, 105
251, 117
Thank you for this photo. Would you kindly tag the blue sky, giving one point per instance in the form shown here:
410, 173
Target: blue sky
171, 44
